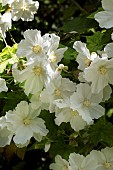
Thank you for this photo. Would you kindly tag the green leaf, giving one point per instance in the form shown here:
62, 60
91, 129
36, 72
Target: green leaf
19, 166
79, 24
8, 56
38, 145
3, 95
13, 98
68, 12
61, 148
94, 42
50, 124
2, 8
69, 55
101, 131
98, 40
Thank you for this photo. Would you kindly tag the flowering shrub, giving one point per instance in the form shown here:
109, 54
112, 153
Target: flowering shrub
56, 95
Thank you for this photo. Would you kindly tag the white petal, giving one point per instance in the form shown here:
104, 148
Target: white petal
75, 160
37, 126
5, 137
96, 111
107, 5
22, 109
105, 19
77, 123
23, 134
63, 116
81, 48
106, 93
85, 113
3, 86
109, 50
38, 136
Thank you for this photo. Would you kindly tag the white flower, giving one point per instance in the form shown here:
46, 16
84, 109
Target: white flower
106, 91
105, 18
5, 23
104, 158
64, 113
84, 58
25, 123
80, 162
5, 134
55, 56
33, 46
52, 40
99, 73
87, 103
35, 76
24, 9
57, 88
54, 53
60, 164
3, 86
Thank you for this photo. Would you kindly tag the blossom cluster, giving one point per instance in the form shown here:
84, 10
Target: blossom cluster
40, 76
96, 160
17, 9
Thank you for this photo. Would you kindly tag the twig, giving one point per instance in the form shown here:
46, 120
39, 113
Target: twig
79, 7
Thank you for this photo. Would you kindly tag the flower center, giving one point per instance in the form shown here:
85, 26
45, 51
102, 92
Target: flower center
37, 70
86, 103
53, 58
57, 92
74, 112
24, 7
102, 70
87, 62
27, 121
107, 165
37, 49
65, 167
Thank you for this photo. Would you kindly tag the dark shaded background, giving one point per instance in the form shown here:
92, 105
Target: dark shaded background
52, 14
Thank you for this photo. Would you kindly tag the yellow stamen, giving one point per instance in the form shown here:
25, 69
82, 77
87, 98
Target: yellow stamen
57, 92
74, 112
26, 121
65, 167
53, 58
102, 70
37, 49
86, 103
24, 7
37, 70
87, 62
107, 165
